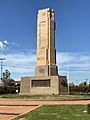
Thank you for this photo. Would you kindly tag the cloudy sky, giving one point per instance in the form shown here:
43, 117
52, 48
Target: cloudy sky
72, 36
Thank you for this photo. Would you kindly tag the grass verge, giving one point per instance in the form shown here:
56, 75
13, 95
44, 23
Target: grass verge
58, 112
47, 97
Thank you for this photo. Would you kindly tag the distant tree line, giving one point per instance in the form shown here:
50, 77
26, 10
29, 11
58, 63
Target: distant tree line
83, 87
8, 84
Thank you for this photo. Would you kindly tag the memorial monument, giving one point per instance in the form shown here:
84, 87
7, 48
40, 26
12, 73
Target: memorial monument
46, 79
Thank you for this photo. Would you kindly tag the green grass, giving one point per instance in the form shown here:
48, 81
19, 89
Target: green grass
57, 112
47, 97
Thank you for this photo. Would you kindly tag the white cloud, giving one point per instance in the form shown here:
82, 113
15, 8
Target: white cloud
78, 65
2, 46
64, 57
28, 59
73, 60
6, 42
19, 62
23, 64
84, 58
20, 59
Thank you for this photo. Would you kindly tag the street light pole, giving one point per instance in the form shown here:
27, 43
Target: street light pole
1, 59
68, 77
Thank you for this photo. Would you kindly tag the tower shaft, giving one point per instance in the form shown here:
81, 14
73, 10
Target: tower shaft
46, 53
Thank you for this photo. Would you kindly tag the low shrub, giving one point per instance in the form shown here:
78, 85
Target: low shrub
8, 89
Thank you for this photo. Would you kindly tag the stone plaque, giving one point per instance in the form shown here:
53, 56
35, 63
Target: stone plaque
40, 83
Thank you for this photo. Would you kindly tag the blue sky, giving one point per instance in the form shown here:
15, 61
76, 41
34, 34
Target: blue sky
72, 38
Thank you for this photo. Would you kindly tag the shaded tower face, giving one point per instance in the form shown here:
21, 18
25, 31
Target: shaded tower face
46, 53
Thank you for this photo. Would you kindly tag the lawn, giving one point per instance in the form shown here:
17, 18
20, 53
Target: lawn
58, 112
47, 97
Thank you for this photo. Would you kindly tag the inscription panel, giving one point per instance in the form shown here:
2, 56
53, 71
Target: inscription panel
40, 83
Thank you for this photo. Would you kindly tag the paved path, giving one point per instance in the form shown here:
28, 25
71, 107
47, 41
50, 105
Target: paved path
11, 112
10, 108
37, 102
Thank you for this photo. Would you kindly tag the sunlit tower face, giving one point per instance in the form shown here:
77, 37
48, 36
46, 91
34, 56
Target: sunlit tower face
46, 53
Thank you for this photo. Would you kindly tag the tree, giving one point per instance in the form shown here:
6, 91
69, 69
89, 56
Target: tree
84, 87
72, 87
6, 79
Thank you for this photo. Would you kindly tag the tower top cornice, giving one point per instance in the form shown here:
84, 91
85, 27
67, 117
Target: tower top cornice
45, 9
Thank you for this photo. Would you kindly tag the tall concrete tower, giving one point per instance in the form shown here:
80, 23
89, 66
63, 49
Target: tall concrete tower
46, 53
46, 79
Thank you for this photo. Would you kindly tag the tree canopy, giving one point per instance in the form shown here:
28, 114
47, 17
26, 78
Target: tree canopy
6, 79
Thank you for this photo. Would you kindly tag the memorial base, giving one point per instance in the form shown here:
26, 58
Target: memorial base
39, 85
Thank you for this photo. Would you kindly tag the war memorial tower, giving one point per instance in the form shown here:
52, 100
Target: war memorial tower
46, 53
46, 79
